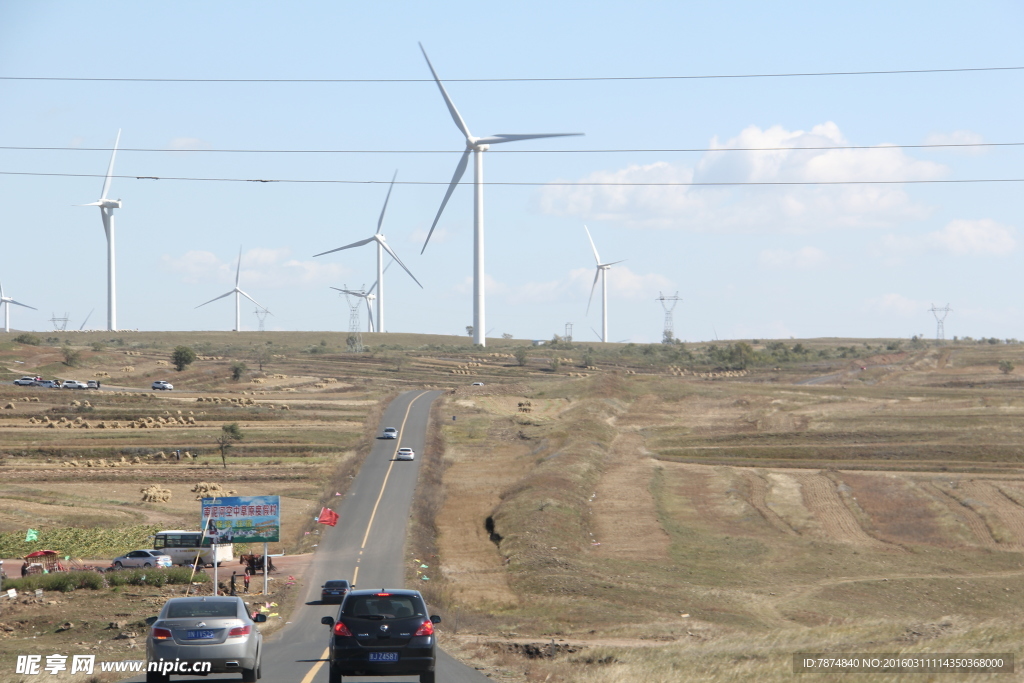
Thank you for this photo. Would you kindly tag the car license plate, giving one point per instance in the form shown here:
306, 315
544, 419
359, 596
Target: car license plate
200, 635
383, 656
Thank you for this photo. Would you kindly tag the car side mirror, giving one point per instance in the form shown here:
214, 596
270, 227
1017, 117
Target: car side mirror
260, 618
435, 619
327, 621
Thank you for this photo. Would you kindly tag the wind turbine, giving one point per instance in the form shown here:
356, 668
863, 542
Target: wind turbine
602, 272
382, 246
476, 146
6, 302
238, 293
107, 207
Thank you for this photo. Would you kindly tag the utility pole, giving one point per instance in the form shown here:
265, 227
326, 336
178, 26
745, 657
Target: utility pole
568, 332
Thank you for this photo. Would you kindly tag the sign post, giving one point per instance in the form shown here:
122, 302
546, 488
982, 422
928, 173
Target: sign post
242, 519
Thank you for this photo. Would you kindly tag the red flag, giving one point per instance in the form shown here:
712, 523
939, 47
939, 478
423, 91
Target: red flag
327, 516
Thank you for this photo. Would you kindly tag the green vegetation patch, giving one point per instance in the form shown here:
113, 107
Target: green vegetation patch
79, 543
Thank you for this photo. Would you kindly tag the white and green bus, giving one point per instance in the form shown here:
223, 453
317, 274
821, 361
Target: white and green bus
184, 546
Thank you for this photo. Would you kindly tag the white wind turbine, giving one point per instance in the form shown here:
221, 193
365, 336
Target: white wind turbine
382, 246
476, 146
238, 294
107, 207
602, 272
6, 302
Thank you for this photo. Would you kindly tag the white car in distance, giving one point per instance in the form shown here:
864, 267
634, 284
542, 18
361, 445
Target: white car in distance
74, 384
390, 433
405, 453
162, 384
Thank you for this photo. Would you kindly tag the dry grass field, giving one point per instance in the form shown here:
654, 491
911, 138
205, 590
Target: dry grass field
599, 513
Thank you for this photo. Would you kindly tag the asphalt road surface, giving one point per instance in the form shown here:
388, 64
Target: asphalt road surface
366, 547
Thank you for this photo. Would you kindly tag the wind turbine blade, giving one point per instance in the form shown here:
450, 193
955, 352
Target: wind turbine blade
90, 204
252, 300
447, 100
347, 246
459, 170
238, 270
606, 265
214, 299
340, 290
86, 320
110, 168
596, 275
596, 334
596, 257
380, 221
500, 138
391, 251
12, 301
1, 290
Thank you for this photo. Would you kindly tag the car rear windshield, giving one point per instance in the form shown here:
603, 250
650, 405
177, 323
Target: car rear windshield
226, 610
336, 584
386, 607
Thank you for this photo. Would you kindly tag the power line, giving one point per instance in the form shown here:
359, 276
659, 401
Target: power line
521, 151
506, 80
539, 184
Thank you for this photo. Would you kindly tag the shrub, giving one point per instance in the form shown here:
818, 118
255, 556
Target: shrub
238, 368
1005, 367
182, 357
28, 339
65, 582
72, 357
521, 355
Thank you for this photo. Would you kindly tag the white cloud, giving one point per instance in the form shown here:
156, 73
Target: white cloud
758, 208
983, 237
958, 137
895, 304
805, 258
261, 267
187, 143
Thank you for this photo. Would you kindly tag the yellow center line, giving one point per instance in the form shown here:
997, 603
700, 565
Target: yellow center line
316, 667
383, 486
308, 678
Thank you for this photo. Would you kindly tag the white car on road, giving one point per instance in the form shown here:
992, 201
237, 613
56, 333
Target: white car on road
405, 453
162, 384
74, 384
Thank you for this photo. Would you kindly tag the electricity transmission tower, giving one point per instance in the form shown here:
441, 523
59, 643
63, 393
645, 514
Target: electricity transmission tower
262, 314
568, 332
668, 303
59, 324
940, 331
355, 336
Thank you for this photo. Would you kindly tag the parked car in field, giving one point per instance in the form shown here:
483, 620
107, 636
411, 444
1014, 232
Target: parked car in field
73, 384
206, 634
93, 384
334, 590
48, 383
382, 633
405, 453
390, 433
162, 384
26, 381
477, 384
143, 558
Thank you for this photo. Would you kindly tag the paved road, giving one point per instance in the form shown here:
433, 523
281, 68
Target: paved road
366, 547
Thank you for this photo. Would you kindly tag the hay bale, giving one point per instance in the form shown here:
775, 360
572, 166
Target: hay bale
9, 406
155, 494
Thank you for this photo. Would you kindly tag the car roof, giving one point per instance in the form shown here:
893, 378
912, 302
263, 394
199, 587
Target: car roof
206, 598
392, 591
336, 582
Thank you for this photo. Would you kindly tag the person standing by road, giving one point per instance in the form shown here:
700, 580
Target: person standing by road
245, 578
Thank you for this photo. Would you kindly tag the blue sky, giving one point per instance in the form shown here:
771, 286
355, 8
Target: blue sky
748, 262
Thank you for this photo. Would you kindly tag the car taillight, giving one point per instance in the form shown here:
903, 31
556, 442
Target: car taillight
427, 629
341, 630
161, 633
240, 631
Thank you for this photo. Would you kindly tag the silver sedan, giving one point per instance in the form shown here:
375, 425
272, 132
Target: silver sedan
199, 635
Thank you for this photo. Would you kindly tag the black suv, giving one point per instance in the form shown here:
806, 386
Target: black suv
382, 633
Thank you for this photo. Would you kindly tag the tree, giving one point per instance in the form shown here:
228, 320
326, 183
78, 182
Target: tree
588, 358
182, 357
72, 357
238, 369
261, 354
556, 363
469, 330
230, 434
521, 355
1005, 367
506, 335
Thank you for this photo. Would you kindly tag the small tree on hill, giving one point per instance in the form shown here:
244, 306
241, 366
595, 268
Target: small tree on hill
521, 355
238, 369
72, 357
230, 433
1005, 367
182, 357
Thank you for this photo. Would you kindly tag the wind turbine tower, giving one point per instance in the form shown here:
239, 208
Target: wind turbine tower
940, 332
6, 301
238, 294
477, 146
668, 303
107, 207
601, 272
382, 246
